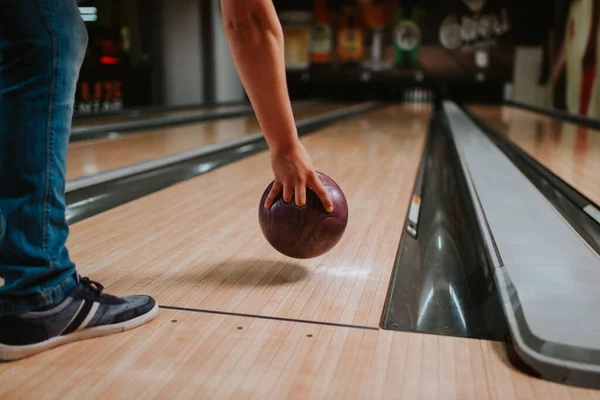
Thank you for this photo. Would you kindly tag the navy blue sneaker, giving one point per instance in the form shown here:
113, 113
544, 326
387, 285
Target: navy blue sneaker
86, 313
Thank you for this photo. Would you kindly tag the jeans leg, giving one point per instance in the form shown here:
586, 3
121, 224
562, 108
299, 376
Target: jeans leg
42, 45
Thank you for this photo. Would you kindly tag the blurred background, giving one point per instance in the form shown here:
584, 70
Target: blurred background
173, 53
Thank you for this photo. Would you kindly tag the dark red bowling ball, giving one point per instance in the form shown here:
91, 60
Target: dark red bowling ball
308, 231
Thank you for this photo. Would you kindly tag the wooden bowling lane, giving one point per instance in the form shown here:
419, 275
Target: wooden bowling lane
90, 157
570, 151
198, 244
186, 355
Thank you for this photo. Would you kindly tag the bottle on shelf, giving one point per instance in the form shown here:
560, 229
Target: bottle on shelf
296, 30
321, 35
374, 11
407, 35
350, 46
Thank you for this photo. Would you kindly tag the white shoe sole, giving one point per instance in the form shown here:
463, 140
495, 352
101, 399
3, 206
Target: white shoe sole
12, 353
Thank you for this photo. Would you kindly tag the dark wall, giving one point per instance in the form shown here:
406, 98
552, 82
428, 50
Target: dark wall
121, 67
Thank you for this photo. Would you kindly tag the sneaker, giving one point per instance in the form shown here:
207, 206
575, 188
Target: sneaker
86, 313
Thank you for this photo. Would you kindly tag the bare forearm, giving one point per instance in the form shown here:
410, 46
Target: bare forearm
256, 42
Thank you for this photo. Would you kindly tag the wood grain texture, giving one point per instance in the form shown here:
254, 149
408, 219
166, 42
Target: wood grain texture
187, 355
89, 157
570, 151
198, 244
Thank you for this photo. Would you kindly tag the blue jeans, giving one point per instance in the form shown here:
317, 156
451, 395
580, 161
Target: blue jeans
42, 46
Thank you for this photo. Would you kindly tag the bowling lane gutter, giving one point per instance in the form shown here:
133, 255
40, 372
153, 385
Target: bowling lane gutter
582, 213
558, 114
117, 129
441, 282
93, 195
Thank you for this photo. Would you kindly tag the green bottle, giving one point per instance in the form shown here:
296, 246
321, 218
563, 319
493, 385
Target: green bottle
407, 37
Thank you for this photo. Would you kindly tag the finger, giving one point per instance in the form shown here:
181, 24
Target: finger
317, 187
275, 190
300, 192
288, 192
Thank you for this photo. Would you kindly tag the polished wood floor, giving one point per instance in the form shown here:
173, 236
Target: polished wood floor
90, 157
184, 355
214, 256
197, 246
570, 151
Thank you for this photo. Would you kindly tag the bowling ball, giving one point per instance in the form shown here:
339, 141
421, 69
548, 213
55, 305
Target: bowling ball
308, 231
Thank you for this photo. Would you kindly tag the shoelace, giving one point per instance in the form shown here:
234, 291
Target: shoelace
93, 285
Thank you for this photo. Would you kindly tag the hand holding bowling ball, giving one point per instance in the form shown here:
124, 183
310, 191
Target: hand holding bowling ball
293, 172
308, 231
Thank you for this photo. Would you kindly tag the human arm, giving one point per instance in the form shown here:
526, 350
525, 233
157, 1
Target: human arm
255, 38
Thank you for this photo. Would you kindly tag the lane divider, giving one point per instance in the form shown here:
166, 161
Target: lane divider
104, 177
